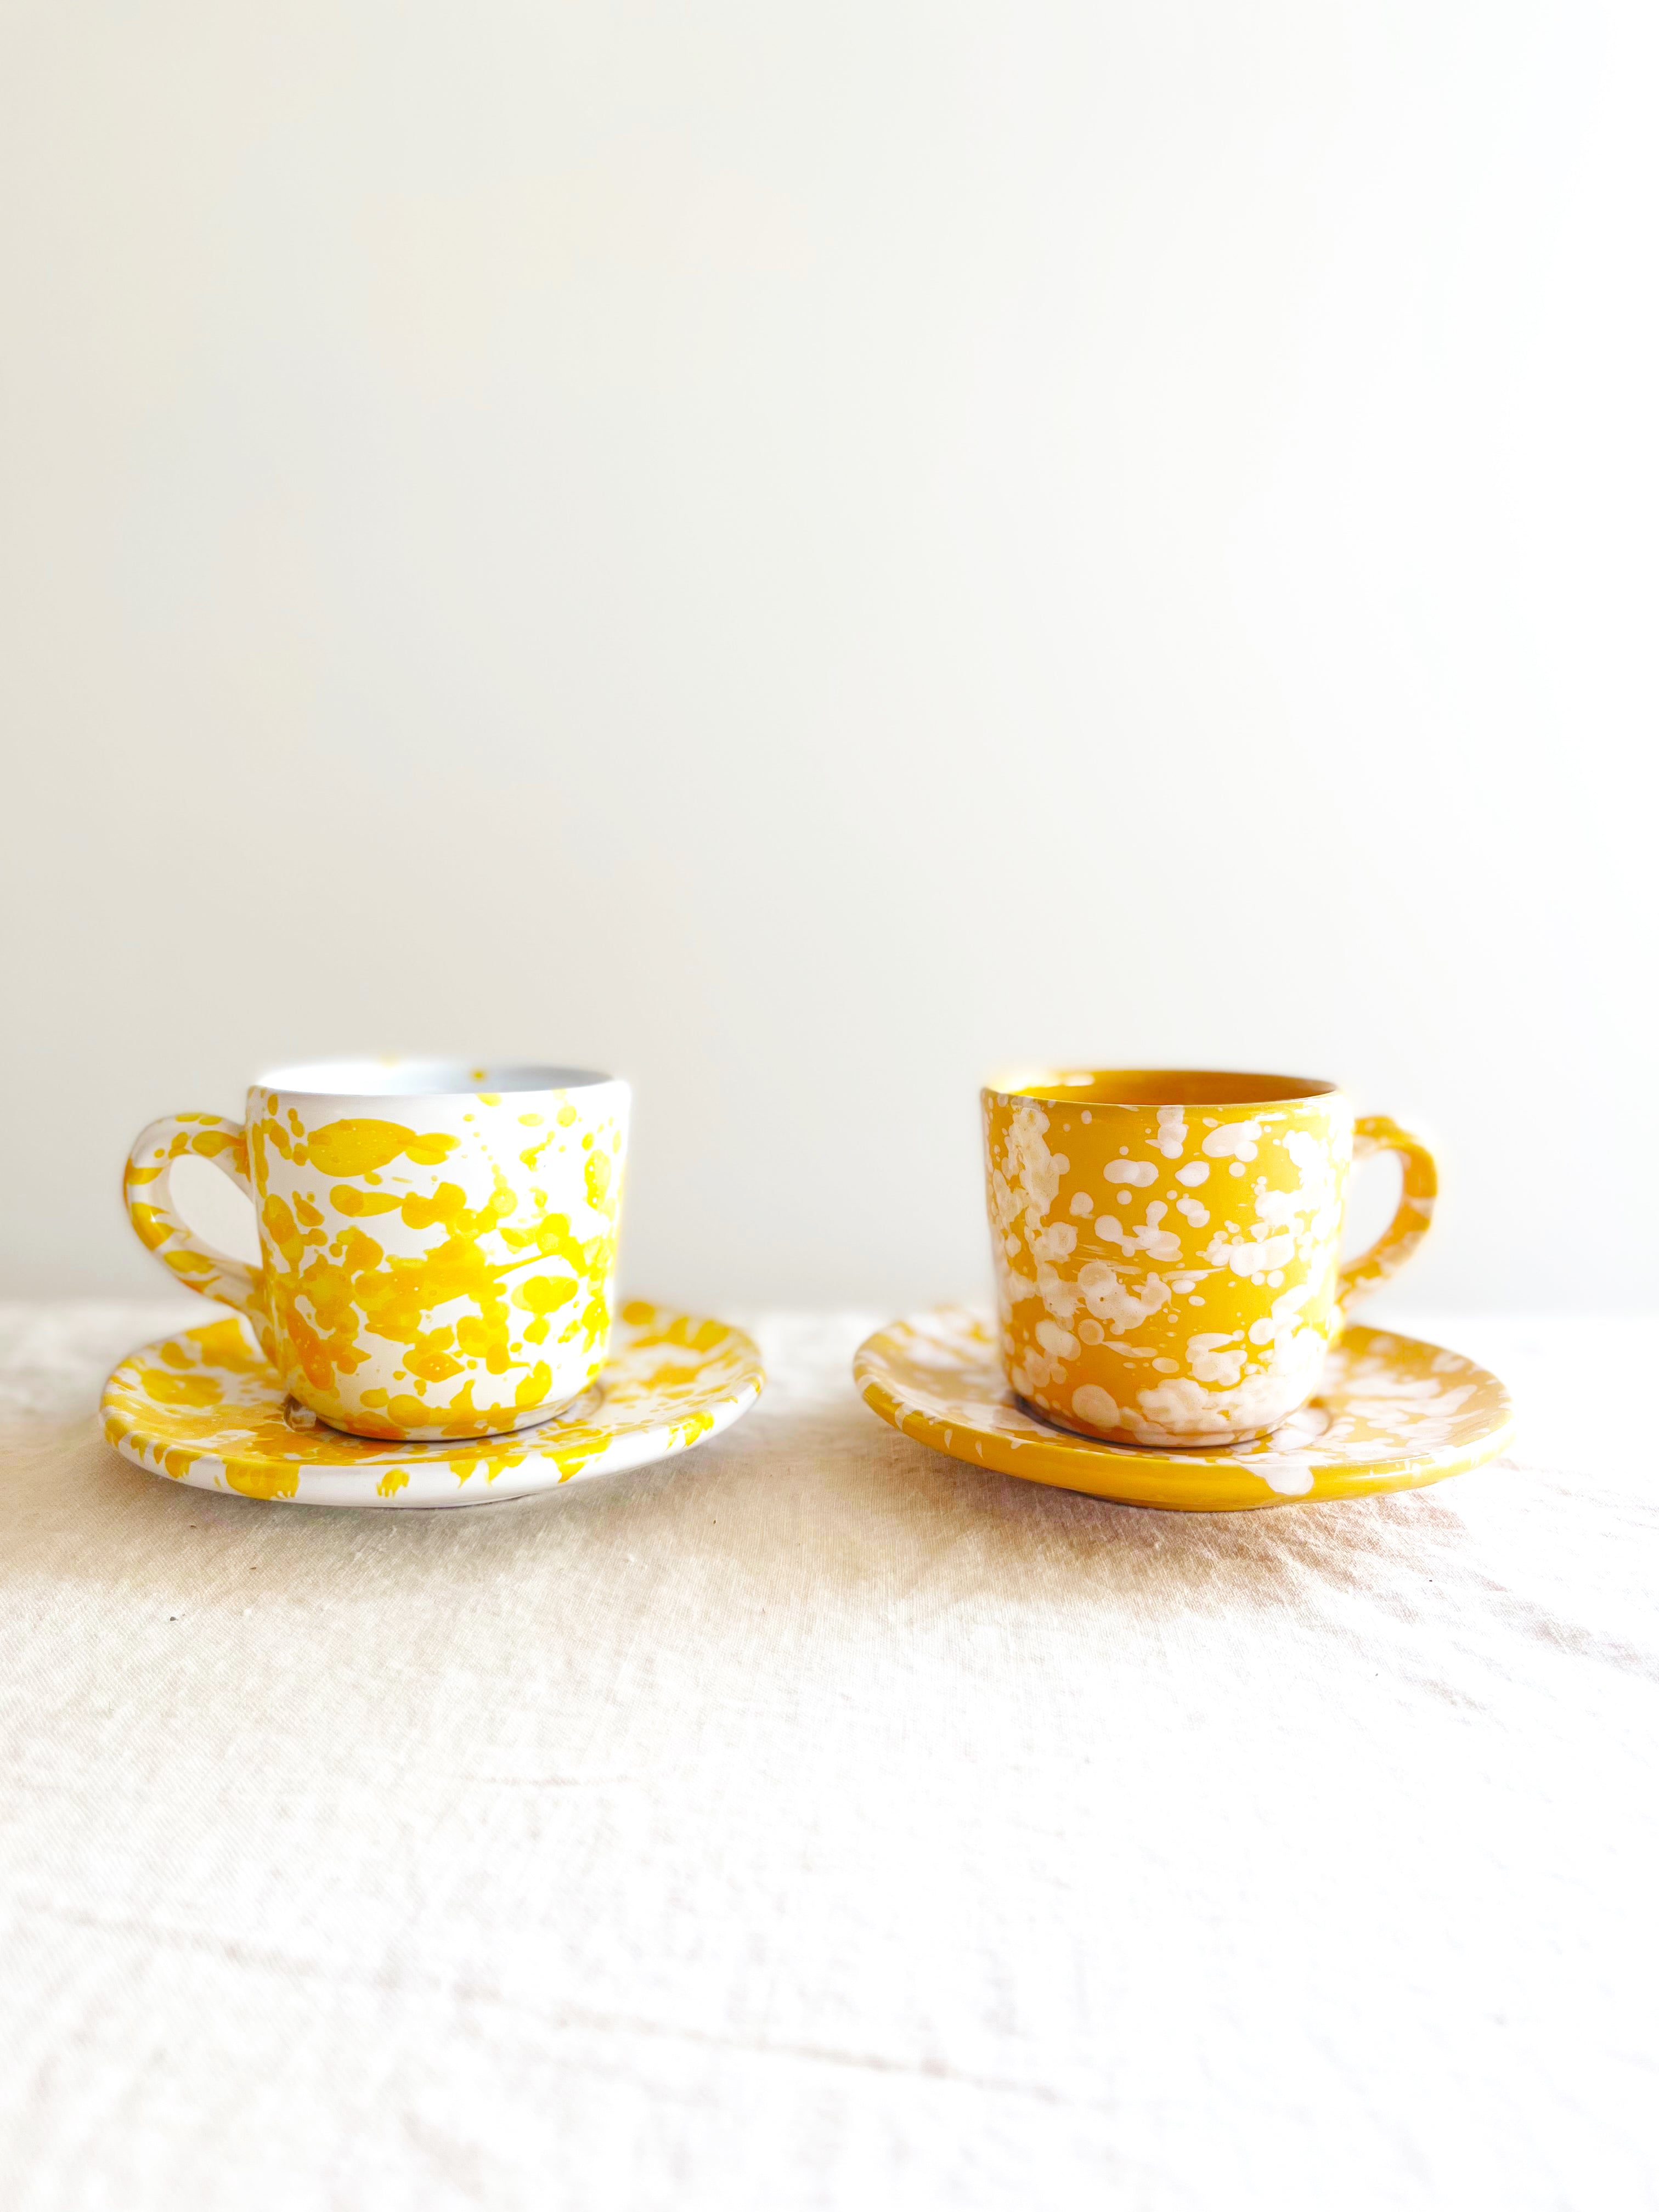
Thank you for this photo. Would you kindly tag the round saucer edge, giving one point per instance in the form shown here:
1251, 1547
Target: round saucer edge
986, 1426
671, 1380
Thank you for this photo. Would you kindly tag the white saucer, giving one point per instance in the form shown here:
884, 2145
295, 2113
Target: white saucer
205, 1407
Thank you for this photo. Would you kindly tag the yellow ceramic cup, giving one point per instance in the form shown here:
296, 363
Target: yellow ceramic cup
438, 1243
1166, 1244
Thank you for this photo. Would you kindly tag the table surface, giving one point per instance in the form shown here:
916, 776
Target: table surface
813, 1820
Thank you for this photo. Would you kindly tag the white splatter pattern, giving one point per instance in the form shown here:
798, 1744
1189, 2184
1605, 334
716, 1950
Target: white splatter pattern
1134, 1309
1390, 1412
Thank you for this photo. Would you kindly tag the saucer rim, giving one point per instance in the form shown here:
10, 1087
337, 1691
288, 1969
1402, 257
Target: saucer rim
343, 1485
1143, 1476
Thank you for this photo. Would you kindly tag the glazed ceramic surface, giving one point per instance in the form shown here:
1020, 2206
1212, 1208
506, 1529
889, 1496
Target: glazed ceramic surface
205, 1408
1166, 1245
438, 1243
1390, 1412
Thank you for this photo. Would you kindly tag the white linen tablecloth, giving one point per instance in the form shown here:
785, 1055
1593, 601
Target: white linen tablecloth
812, 1820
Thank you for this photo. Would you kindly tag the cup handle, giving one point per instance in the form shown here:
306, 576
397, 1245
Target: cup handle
148, 1197
1375, 1133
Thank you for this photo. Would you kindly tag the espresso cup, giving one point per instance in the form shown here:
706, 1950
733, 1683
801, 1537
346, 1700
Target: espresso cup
1166, 1245
438, 1243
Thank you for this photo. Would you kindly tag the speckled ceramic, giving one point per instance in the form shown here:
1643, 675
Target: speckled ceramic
1166, 1244
1390, 1413
437, 1242
206, 1407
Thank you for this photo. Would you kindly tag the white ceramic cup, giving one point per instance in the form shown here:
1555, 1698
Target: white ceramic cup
438, 1241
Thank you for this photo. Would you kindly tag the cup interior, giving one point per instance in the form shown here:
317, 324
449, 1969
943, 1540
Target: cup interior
420, 1078
1157, 1086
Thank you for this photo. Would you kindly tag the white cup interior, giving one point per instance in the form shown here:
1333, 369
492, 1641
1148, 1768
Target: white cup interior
420, 1078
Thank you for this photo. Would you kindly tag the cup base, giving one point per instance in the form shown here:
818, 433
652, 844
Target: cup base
1126, 1440
303, 1416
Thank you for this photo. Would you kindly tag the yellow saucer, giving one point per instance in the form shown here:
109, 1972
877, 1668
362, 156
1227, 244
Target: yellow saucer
1391, 1413
205, 1407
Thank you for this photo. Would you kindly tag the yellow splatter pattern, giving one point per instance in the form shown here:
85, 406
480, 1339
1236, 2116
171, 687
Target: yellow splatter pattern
1166, 1245
426, 1273
1390, 1413
206, 1407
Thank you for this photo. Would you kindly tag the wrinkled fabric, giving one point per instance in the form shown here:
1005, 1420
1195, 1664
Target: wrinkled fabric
815, 1820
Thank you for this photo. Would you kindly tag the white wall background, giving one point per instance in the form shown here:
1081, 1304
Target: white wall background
800, 552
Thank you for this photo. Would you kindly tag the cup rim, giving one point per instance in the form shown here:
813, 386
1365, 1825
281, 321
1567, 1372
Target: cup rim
399, 1076
1227, 1088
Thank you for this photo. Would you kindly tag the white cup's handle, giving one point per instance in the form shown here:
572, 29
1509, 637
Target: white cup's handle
175, 1244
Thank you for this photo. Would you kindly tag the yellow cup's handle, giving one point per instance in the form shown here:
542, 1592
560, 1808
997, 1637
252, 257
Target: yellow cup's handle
1375, 1133
149, 1164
